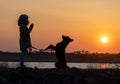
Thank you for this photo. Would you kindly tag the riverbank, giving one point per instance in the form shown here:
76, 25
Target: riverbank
58, 76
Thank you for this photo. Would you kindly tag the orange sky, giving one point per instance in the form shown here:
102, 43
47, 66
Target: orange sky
86, 21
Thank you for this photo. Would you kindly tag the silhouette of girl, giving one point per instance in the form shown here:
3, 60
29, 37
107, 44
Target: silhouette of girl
25, 41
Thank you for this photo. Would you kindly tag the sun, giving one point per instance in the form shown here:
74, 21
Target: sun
104, 39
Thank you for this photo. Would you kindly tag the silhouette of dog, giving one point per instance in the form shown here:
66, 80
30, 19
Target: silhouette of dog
60, 52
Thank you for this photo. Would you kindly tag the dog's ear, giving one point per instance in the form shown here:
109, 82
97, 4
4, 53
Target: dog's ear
63, 37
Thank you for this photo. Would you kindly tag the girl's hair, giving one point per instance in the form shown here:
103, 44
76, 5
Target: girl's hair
22, 19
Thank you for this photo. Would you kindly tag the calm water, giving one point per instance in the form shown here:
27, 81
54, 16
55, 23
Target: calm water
51, 65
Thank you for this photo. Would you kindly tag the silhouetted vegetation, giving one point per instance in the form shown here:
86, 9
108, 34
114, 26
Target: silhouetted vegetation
49, 56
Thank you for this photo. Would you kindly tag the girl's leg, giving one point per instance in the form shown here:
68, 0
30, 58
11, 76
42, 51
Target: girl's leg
29, 50
22, 55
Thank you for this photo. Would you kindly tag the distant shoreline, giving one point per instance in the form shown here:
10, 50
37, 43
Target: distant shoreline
72, 58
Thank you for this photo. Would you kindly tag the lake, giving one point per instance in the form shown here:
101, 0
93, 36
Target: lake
51, 65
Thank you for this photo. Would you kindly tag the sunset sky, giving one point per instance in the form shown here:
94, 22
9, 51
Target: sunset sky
88, 22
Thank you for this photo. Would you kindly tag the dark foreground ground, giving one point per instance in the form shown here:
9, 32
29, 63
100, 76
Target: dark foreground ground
58, 76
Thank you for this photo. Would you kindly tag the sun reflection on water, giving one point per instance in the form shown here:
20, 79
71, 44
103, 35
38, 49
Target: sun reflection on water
104, 66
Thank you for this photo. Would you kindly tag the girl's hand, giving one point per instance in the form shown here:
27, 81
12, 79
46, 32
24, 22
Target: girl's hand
31, 26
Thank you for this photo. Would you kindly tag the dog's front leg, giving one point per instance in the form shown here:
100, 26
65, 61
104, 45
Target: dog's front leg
50, 47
